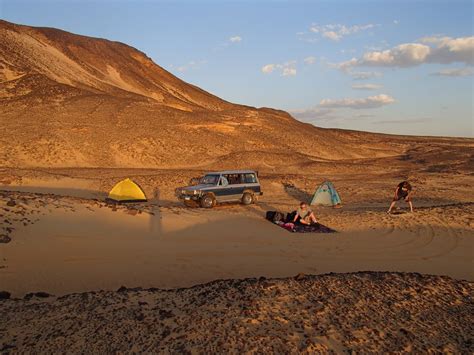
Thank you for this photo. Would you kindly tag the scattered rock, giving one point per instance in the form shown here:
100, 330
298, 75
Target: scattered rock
267, 284
122, 289
4, 295
11, 203
39, 294
164, 314
5, 238
300, 277
6, 347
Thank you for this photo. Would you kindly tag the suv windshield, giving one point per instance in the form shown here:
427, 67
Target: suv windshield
210, 180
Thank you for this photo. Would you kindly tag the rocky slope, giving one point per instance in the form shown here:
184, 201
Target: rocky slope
361, 312
73, 101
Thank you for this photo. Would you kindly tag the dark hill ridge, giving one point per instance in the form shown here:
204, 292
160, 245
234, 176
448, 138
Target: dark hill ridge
73, 101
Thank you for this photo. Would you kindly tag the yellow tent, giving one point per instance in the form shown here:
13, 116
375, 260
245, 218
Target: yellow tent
127, 190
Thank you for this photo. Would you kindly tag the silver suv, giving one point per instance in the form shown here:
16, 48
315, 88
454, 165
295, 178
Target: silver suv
222, 186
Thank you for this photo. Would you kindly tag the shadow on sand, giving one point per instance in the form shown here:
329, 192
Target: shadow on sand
297, 193
60, 191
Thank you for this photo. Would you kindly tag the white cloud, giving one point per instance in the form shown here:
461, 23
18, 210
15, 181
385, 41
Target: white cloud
369, 102
364, 115
403, 55
314, 113
396, 22
336, 32
235, 39
455, 72
327, 110
449, 50
267, 69
309, 60
286, 69
363, 75
366, 86
442, 50
405, 121
333, 36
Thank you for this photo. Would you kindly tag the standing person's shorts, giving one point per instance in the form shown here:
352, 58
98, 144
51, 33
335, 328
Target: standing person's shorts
401, 195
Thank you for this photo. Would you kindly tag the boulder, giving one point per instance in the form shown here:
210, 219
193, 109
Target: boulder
300, 277
5, 238
4, 295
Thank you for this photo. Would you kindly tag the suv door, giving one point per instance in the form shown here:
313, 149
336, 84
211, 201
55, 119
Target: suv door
237, 186
222, 191
251, 182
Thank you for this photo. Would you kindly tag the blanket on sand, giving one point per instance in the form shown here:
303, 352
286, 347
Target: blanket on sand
303, 228
287, 223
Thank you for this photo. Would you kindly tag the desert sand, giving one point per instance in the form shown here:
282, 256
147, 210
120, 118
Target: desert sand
98, 111
66, 244
63, 243
69, 243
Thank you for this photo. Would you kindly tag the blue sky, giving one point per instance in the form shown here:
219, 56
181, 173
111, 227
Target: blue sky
402, 67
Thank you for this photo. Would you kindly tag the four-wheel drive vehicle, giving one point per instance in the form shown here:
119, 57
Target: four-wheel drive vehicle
222, 186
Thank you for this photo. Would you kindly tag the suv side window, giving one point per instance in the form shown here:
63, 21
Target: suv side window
223, 181
250, 179
234, 179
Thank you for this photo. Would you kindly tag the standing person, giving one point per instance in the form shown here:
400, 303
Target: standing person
305, 215
404, 191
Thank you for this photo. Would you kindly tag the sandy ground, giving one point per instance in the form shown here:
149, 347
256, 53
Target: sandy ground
61, 238
62, 244
341, 313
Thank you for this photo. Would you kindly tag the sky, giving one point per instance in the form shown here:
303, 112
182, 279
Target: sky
401, 67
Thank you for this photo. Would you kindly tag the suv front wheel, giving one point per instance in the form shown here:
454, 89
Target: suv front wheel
247, 198
207, 201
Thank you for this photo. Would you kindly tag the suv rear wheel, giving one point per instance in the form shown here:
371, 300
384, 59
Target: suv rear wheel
247, 198
208, 201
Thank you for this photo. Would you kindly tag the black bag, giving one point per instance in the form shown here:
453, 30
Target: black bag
278, 217
290, 217
269, 215
274, 216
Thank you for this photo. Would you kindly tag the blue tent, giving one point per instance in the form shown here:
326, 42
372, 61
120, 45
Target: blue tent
326, 195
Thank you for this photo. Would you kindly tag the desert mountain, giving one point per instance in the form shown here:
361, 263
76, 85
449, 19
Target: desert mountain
73, 101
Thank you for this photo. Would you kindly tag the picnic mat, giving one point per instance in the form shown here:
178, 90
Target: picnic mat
300, 228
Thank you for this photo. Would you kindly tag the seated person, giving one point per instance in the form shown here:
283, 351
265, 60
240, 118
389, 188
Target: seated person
304, 215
